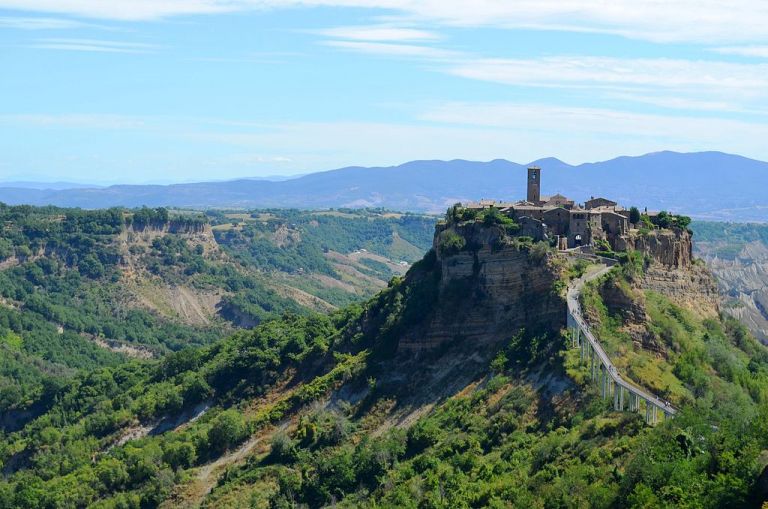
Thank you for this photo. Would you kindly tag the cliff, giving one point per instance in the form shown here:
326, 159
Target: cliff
490, 285
672, 271
670, 248
743, 280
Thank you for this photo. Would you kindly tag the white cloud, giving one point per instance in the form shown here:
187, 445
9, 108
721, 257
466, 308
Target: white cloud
617, 72
744, 51
77, 121
93, 45
130, 10
469, 130
390, 49
378, 33
484, 131
674, 102
699, 21
34, 23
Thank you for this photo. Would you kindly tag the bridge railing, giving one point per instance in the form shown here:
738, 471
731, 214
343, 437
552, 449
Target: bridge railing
626, 396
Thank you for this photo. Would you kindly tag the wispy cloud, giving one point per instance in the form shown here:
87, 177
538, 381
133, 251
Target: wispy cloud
679, 102
698, 21
381, 33
521, 131
744, 51
35, 23
611, 72
132, 10
77, 121
470, 130
395, 50
93, 45
594, 120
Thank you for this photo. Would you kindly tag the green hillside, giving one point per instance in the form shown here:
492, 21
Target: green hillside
84, 289
321, 409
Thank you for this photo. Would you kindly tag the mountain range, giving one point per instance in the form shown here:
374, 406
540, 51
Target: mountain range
705, 185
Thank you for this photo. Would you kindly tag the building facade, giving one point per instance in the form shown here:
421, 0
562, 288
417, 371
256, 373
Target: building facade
546, 217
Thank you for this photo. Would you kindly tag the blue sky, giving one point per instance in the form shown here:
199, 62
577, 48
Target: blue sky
130, 91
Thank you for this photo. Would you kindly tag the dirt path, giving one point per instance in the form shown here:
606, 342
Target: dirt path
192, 494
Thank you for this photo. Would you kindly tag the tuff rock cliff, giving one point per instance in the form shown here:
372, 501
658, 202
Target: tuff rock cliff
672, 270
743, 279
669, 270
489, 285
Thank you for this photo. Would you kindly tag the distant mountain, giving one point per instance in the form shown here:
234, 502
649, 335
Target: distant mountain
707, 185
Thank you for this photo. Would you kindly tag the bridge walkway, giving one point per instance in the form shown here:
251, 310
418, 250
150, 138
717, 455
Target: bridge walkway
626, 395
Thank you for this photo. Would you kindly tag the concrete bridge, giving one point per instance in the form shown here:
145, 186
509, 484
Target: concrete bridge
625, 395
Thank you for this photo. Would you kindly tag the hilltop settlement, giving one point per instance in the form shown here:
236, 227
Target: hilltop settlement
599, 222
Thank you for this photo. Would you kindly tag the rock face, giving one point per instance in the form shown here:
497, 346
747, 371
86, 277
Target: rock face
489, 288
693, 288
629, 303
673, 272
743, 280
671, 248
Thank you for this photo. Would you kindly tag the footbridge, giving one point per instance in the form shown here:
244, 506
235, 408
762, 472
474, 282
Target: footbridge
625, 395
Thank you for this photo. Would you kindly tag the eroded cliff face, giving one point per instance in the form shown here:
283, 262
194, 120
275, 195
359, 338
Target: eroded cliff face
671, 248
743, 280
673, 272
488, 289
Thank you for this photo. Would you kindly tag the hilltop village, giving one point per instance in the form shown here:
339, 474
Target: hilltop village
570, 225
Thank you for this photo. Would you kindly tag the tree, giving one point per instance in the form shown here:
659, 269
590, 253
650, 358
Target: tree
180, 454
228, 429
112, 473
91, 266
634, 215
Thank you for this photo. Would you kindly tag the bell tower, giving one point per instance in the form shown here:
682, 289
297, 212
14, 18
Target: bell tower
534, 185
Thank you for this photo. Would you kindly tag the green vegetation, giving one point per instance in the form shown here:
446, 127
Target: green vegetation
727, 240
666, 220
71, 278
511, 424
490, 216
707, 231
451, 242
292, 240
88, 415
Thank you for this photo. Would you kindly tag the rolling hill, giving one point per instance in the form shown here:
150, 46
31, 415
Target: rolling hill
705, 185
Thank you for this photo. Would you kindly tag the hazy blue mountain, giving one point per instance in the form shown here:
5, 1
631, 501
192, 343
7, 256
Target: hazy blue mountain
707, 185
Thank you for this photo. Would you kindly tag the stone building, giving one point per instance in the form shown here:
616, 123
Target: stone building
595, 203
545, 217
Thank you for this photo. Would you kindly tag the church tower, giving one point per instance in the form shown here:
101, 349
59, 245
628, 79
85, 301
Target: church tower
534, 185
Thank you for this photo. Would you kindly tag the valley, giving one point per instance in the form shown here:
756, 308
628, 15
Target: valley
455, 385
737, 254
85, 289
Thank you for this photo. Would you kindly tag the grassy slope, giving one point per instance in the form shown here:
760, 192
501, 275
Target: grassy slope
459, 428
68, 277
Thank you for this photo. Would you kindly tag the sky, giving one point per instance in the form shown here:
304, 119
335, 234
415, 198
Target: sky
157, 91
